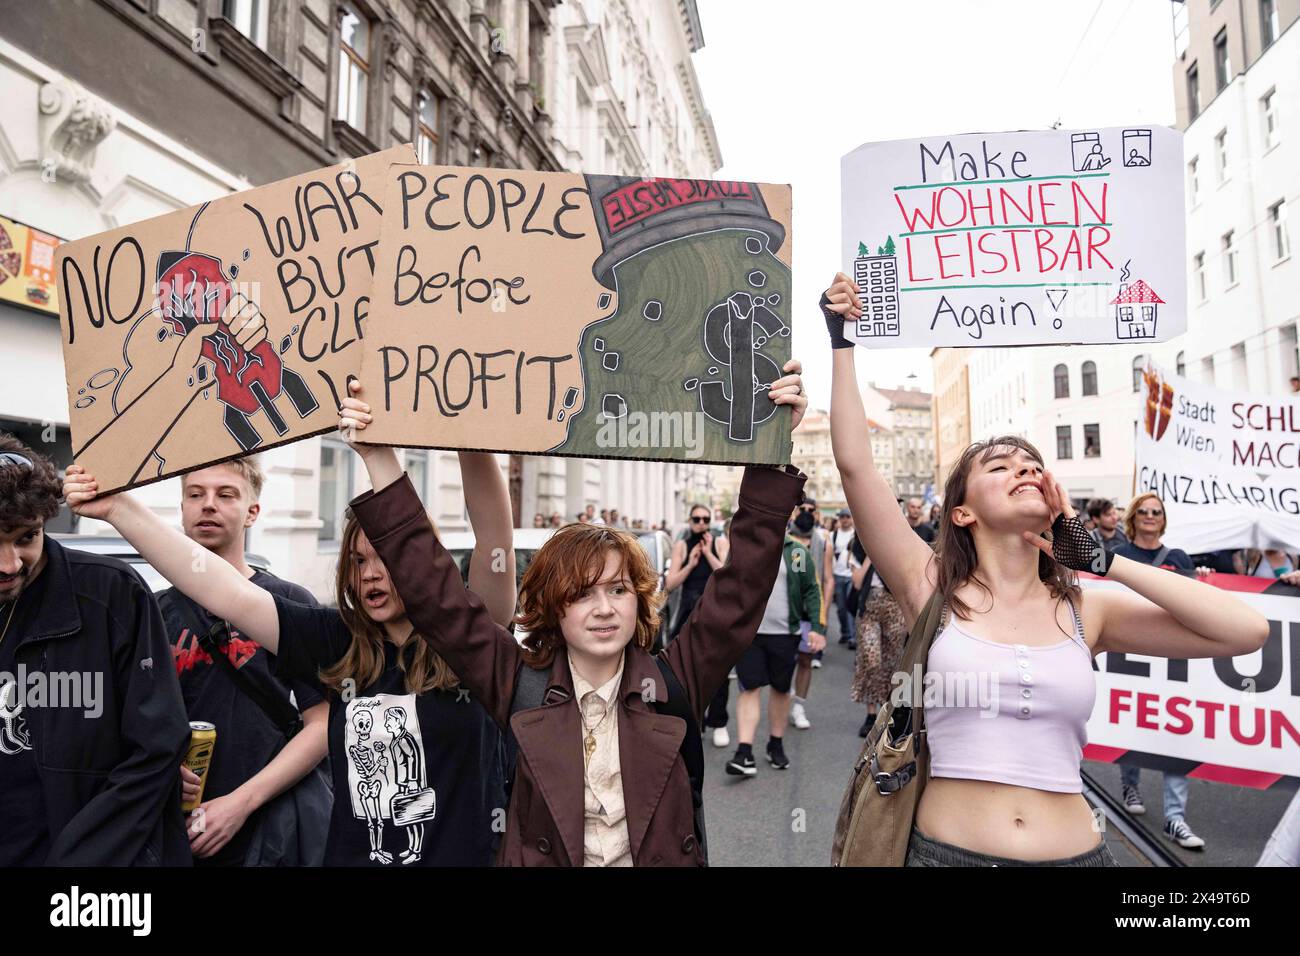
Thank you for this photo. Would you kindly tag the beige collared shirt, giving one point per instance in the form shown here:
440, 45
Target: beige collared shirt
604, 828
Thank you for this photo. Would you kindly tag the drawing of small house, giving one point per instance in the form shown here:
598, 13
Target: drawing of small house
877, 280
1135, 311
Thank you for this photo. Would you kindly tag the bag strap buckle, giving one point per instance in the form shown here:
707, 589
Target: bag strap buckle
887, 783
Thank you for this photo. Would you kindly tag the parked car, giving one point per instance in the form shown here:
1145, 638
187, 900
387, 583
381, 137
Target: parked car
658, 548
115, 547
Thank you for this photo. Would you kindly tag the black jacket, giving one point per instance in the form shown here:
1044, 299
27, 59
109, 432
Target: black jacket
110, 783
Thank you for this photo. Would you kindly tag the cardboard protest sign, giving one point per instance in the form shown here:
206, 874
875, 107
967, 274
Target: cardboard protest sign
1020, 238
1225, 463
222, 329
592, 316
1228, 719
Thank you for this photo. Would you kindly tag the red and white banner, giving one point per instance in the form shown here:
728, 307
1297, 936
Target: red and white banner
1225, 463
1230, 720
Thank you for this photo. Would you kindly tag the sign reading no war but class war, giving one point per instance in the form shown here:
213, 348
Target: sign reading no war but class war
591, 316
1021, 238
220, 330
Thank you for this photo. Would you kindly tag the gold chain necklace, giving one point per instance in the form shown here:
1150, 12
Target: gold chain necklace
589, 744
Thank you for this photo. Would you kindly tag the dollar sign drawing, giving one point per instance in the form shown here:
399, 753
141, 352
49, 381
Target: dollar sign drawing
734, 333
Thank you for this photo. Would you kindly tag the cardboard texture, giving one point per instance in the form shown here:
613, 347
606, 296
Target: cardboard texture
590, 316
1022, 238
166, 373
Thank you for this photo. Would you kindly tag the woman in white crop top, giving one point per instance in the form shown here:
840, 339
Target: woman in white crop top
1012, 595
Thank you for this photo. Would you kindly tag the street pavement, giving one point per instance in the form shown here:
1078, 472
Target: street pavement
787, 817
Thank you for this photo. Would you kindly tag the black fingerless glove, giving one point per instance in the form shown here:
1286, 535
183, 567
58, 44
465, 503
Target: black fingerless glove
834, 325
1074, 546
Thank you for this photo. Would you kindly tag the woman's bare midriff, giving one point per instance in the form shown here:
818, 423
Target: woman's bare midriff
1001, 820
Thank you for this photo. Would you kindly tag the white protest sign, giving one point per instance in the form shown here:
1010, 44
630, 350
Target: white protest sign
1233, 713
1021, 238
1226, 464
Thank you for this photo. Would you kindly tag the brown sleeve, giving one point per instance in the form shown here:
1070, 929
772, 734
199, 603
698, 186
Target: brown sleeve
726, 618
445, 613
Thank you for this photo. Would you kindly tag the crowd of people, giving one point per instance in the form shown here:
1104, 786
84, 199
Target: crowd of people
428, 705
607, 516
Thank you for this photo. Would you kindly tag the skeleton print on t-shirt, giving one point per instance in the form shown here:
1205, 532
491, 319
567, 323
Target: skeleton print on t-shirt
387, 776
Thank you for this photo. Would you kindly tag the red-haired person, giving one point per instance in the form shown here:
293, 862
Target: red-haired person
416, 758
601, 778
1004, 785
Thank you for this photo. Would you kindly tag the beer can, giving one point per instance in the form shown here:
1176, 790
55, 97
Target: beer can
203, 740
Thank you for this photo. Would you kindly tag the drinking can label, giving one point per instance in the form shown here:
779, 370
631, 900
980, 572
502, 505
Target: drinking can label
203, 740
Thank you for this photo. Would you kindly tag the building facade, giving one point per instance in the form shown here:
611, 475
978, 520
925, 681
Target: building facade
120, 110
951, 413
908, 414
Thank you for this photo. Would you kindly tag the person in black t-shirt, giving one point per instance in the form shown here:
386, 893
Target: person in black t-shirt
916, 518
252, 762
366, 652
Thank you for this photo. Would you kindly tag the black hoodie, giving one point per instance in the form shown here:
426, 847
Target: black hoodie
110, 782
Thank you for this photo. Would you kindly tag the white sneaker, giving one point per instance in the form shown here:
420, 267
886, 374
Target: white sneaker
816, 663
720, 737
798, 718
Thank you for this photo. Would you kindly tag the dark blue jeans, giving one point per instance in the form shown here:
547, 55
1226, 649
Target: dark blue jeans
842, 588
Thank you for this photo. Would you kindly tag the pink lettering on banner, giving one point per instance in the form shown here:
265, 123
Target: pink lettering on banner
639, 201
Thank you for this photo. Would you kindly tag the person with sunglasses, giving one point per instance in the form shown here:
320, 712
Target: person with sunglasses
695, 557
1144, 524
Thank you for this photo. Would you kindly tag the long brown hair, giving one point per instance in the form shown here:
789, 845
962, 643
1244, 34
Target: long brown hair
363, 663
957, 559
571, 561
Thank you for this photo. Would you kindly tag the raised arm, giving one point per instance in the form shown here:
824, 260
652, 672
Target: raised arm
452, 618
492, 565
726, 618
196, 572
1168, 615
900, 556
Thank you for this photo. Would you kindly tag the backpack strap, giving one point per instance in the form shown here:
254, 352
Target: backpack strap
692, 748
214, 641
1160, 556
530, 691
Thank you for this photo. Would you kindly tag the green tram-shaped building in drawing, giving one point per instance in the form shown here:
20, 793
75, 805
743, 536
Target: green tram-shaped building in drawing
877, 280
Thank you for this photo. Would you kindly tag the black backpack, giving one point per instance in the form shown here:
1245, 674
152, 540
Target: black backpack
530, 687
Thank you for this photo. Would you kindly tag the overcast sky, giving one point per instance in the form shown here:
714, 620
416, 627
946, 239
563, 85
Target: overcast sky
793, 86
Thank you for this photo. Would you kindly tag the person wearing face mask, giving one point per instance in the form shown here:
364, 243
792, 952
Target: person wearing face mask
803, 528
604, 731
415, 756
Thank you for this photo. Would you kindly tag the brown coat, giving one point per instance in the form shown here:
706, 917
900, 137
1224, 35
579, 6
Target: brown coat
544, 824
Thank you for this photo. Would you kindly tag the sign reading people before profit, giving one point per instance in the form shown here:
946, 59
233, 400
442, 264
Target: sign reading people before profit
1019, 238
